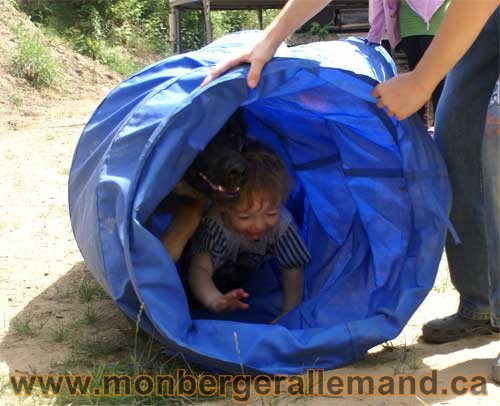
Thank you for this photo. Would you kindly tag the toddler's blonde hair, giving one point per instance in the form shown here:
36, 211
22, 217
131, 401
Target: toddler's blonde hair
267, 175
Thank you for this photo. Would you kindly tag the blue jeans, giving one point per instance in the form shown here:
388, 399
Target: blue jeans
473, 167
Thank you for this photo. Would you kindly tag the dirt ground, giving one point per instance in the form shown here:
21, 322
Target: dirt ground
53, 317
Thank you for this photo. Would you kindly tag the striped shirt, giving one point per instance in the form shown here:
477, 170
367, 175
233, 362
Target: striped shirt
283, 242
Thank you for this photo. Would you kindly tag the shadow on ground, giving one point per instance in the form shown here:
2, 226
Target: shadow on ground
66, 325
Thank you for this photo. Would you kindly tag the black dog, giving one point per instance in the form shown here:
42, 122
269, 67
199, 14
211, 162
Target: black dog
216, 174
219, 170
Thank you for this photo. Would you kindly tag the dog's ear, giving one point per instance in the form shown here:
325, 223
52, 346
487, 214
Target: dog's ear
235, 130
236, 123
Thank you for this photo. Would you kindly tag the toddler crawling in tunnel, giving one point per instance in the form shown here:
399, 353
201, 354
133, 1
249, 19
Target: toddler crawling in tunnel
236, 237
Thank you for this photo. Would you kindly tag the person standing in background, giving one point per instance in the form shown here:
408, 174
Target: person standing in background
383, 18
411, 24
471, 156
377, 20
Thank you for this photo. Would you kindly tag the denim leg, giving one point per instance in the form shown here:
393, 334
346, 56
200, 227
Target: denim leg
491, 186
460, 123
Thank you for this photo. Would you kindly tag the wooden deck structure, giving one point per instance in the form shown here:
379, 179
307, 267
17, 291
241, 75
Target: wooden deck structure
331, 12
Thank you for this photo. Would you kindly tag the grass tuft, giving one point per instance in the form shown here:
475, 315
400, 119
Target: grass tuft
23, 326
408, 361
59, 333
88, 289
33, 61
85, 291
94, 347
89, 317
120, 60
16, 100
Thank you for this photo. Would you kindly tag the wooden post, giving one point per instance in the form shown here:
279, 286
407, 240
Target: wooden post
261, 22
178, 29
175, 29
208, 23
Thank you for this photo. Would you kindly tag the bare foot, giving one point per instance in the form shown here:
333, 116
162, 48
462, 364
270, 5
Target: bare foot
229, 301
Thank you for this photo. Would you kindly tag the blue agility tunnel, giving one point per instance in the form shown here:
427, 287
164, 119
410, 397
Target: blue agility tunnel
371, 196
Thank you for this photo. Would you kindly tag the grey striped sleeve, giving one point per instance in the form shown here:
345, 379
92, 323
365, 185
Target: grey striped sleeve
210, 238
290, 250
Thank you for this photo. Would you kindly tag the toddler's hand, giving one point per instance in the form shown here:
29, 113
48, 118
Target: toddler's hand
229, 301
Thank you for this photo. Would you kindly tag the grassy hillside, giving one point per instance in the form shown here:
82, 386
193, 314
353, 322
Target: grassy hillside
38, 66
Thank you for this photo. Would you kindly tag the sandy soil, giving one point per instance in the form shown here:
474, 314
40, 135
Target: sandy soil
42, 318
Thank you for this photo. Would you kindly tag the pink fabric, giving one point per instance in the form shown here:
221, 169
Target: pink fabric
385, 19
425, 8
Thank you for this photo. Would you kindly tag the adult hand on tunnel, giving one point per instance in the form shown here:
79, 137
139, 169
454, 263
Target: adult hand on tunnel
257, 57
405, 94
402, 95
294, 14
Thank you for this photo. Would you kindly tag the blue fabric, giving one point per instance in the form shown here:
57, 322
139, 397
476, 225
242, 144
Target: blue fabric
370, 199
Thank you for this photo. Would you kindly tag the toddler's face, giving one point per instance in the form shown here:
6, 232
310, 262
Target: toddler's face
253, 221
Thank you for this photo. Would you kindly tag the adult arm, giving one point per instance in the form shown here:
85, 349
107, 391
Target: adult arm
460, 27
294, 14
